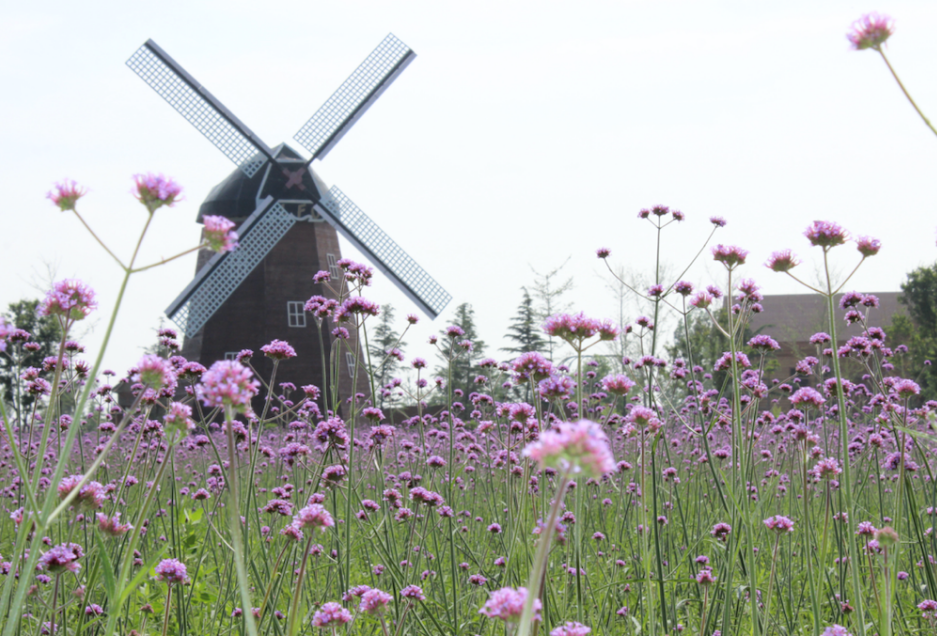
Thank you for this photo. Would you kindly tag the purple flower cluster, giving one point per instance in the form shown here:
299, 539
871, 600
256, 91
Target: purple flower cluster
154, 191
507, 604
69, 300
219, 234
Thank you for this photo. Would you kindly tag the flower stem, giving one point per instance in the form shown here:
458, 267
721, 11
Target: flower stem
905, 91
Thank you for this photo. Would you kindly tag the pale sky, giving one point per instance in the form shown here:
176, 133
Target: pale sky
523, 134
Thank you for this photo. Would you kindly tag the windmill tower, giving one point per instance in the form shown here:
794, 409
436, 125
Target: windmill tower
288, 227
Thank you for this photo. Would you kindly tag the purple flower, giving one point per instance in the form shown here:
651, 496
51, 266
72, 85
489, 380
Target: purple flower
61, 558
66, 194
764, 342
905, 388
314, 516
154, 191
702, 299
725, 362
835, 630
729, 255
112, 526
374, 602
356, 305
413, 592
155, 372
578, 447
779, 524
868, 246
603, 252
807, 395
820, 338
825, 234
684, 288
705, 577
70, 300
870, 31
219, 234
278, 350
572, 628
827, 468
718, 221
617, 384
556, 387
507, 604
171, 571
721, 531
331, 614
179, 417
782, 261
229, 383
929, 608
575, 328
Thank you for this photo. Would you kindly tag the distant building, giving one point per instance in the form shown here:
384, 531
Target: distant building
792, 318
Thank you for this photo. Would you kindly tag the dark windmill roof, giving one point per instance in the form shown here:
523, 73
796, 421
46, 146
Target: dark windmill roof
236, 197
790, 318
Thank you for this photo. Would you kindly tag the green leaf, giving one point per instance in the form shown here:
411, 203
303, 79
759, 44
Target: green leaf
110, 585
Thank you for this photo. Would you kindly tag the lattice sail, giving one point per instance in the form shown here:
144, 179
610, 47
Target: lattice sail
347, 104
390, 258
224, 273
200, 108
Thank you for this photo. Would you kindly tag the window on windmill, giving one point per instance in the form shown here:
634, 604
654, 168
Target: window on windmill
295, 313
350, 361
333, 267
231, 355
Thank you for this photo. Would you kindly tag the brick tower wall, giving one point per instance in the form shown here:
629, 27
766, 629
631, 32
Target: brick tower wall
259, 311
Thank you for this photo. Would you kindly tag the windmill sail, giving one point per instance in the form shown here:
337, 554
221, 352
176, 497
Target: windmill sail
200, 108
347, 104
218, 279
358, 228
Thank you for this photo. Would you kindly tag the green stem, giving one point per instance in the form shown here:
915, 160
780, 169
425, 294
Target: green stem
844, 442
234, 521
904, 90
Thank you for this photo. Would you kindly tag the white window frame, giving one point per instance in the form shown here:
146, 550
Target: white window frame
295, 313
231, 355
350, 361
334, 269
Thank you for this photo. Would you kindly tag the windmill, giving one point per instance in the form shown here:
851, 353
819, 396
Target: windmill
289, 223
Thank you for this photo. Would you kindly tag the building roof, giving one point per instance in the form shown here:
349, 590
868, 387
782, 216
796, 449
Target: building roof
790, 318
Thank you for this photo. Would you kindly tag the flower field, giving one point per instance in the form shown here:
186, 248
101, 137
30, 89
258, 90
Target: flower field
661, 497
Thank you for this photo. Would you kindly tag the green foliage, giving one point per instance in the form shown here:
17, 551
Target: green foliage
384, 366
918, 330
525, 330
705, 345
44, 331
463, 363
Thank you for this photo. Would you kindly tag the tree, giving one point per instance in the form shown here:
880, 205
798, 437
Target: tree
384, 361
705, 346
463, 370
918, 330
44, 331
548, 292
525, 330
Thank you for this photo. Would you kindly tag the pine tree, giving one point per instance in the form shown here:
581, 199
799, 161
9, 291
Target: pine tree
525, 330
463, 362
384, 362
548, 292
45, 331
